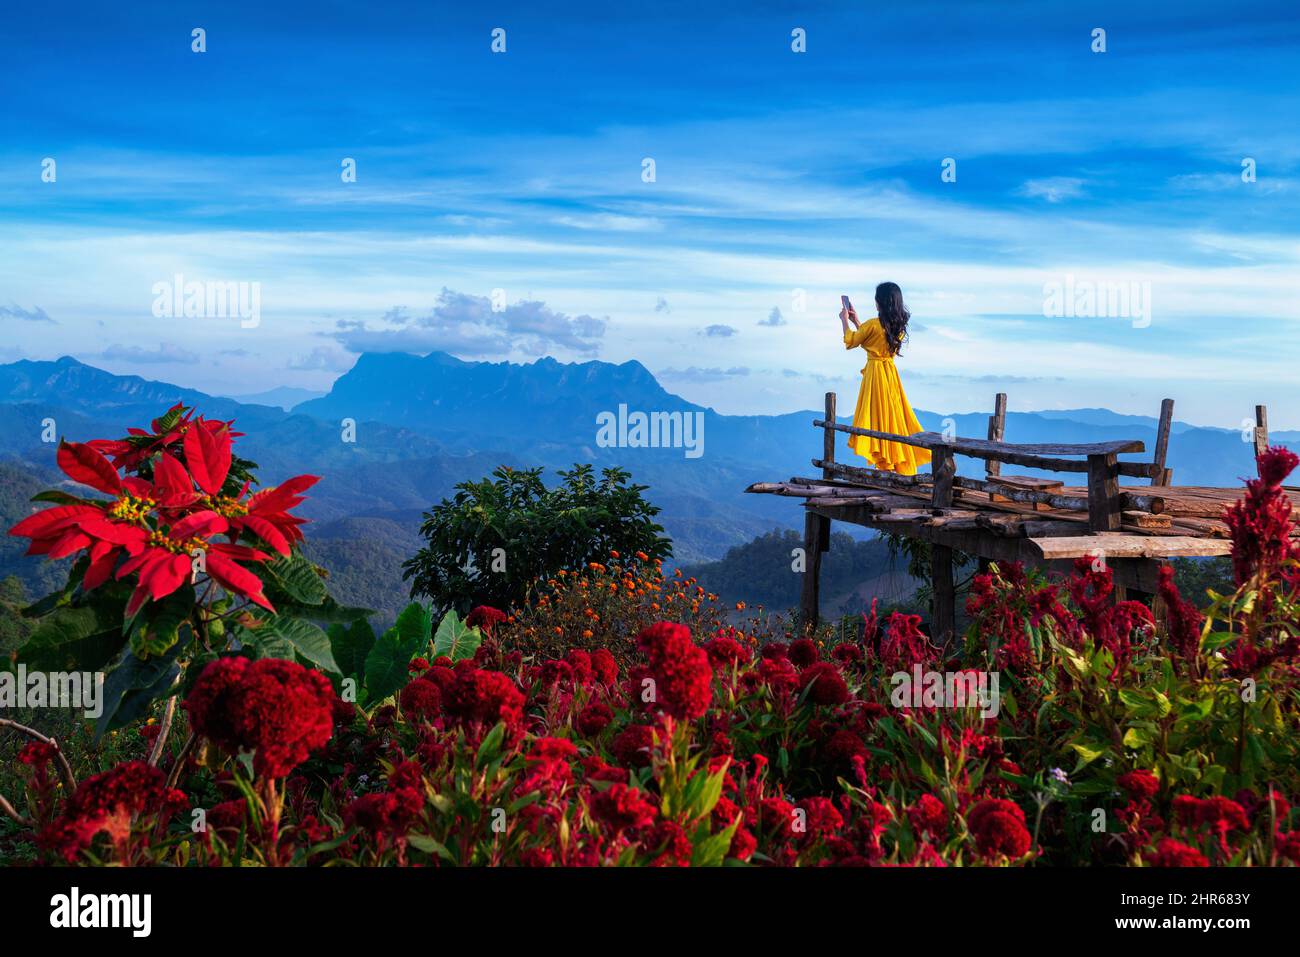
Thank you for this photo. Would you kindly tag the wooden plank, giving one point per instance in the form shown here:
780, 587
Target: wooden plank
1103, 493
997, 431
981, 448
1077, 502
1128, 546
1145, 519
1137, 573
1161, 475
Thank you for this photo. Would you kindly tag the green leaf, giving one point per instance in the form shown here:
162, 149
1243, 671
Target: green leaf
298, 578
134, 683
386, 664
428, 845
1087, 754
455, 640
712, 851
75, 639
491, 745
63, 498
350, 644
415, 623
307, 639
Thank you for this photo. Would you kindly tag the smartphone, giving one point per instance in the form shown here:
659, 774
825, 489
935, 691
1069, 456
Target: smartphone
845, 301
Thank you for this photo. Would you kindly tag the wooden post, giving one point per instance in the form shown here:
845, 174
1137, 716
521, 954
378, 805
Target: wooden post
1261, 430
809, 597
997, 430
1162, 475
1103, 493
943, 609
828, 436
828, 457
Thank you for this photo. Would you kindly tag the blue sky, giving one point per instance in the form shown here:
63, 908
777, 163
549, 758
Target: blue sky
775, 171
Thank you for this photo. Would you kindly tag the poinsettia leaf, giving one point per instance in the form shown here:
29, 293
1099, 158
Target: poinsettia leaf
71, 638
60, 497
454, 639
134, 683
298, 578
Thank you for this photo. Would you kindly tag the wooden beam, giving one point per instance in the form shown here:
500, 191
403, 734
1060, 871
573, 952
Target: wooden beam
997, 431
1130, 546
1103, 493
981, 448
1159, 474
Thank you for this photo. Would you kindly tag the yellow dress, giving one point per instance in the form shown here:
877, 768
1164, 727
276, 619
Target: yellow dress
882, 405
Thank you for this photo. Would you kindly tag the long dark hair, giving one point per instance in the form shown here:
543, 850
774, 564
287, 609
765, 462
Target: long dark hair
893, 315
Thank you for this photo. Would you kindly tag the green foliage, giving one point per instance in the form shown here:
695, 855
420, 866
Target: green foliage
495, 538
760, 572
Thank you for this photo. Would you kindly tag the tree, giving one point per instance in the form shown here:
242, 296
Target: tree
491, 542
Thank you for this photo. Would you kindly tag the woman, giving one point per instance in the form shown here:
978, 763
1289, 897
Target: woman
882, 403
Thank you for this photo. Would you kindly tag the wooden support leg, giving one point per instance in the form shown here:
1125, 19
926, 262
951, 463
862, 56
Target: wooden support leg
943, 610
809, 598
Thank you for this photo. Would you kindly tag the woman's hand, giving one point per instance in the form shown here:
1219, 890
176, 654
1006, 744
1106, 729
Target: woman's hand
848, 315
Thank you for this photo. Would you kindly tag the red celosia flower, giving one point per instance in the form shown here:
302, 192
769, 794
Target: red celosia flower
278, 709
725, 651
670, 844
622, 808
1171, 853
483, 697
847, 653
386, 814
485, 617
803, 652
1141, 785
594, 718
999, 828
632, 746
605, 667
108, 802
929, 814
680, 668
1260, 522
1183, 619
825, 684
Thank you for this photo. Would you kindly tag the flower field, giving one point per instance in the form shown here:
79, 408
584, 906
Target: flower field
622, 717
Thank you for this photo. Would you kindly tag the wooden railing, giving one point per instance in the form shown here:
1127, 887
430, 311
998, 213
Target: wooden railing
1105, 502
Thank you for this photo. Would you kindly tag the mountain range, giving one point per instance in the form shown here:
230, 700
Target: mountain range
397, 432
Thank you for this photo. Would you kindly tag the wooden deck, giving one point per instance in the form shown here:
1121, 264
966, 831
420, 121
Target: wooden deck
1033, 519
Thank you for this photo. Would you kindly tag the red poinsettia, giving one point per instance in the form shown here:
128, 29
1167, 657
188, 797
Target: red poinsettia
165, 512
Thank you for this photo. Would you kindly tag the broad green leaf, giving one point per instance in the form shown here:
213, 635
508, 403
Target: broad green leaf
386, 664
350, 644
307, 639
454, 639
134, 683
